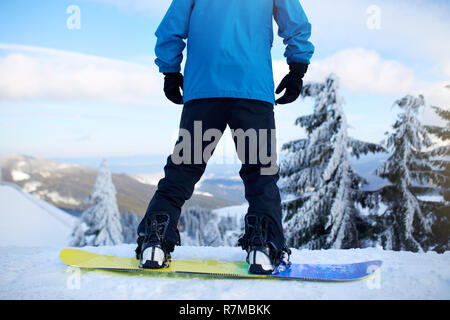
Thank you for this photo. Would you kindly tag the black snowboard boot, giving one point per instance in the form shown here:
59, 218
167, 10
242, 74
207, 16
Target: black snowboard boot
263, 256
153, 251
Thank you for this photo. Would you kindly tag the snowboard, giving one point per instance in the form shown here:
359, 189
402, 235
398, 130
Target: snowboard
234, 269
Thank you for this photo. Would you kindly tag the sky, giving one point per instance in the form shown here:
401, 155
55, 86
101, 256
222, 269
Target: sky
89, 87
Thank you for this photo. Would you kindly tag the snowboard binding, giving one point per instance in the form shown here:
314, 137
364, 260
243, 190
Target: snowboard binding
263, 256
153, 252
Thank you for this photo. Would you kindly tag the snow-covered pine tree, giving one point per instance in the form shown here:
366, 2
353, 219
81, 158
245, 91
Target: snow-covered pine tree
130, 222
200, 227
78, 238
318, 175
407, 222
439, 157
231, 229
101, 221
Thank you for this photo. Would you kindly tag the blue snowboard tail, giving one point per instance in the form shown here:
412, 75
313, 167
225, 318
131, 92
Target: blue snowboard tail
330, 272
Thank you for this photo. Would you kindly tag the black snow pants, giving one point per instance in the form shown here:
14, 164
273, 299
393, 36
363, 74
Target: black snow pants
247, 119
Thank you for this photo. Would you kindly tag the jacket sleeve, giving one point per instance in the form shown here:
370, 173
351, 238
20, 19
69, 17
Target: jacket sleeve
170, 36
295, 29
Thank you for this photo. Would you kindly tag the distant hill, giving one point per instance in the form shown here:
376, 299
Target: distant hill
224, 188
68, 185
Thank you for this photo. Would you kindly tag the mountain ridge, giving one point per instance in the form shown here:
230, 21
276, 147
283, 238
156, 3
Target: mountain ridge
66, 186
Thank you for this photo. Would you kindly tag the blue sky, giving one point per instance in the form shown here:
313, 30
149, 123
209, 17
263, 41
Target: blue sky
95, 92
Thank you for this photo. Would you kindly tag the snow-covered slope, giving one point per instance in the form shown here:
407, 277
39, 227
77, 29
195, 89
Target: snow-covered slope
37, 273
33, 232
28, 221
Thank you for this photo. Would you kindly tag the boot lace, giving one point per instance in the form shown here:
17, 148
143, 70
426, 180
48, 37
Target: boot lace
257, 230
156, 229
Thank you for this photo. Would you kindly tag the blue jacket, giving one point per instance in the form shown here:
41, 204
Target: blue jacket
229, 45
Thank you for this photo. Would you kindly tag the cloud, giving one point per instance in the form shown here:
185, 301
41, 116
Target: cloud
33, 73
446, 69
360, 71
436, 94
413, 28
365, 72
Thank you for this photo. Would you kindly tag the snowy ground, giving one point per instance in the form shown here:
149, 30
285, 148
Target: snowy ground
28, 221
32, 232
37, 273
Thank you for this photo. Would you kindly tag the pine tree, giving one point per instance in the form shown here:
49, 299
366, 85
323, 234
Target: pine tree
319, 177
101, 222
130, 222
200, 227
440, 155
78, 237
407, 222
440, 177
231, 229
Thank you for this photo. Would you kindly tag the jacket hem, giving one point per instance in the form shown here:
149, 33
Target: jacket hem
169, 69
229, 94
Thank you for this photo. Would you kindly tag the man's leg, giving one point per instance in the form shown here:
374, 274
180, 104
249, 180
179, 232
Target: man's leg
259, 170
184, 168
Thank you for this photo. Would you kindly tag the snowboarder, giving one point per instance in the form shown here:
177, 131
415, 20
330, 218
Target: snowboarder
228, 80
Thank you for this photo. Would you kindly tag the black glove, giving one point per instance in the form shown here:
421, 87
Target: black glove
172, 83
293, 83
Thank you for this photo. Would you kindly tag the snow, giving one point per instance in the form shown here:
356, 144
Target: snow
31, 186
37, 273
29, 221
153, 179
149, 178
431, 198
18, 175
57, 198
203, 193
45, 174
237, 212
32, 233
